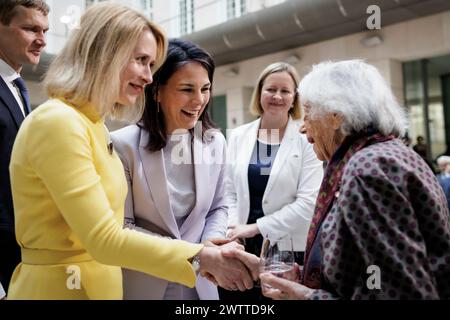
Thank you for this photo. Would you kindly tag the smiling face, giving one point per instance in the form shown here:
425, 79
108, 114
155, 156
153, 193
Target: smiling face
323, 133
137, 73
277, 94
184, 97
23, 40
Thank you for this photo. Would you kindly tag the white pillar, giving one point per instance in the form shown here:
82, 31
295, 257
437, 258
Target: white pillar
392, 71
238, 102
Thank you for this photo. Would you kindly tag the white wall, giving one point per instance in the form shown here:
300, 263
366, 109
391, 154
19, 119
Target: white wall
58, 32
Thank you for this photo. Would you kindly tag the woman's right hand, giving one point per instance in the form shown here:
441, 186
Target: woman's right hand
228, 272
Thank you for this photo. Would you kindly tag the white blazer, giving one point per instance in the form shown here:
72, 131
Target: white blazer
291, 192
148, 210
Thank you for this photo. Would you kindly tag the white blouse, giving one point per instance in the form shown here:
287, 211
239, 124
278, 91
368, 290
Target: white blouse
178, 162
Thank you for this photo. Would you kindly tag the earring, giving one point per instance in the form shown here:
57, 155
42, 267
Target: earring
157, 106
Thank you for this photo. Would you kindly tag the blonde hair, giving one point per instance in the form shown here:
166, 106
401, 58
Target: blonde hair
88, 69
255, 104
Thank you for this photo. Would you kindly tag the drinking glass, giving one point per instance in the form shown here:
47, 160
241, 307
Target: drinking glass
277, 257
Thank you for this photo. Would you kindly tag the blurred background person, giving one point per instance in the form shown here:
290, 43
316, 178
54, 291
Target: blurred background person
23, 24
174, 188
443, 177
381, 227
422, 150
421, 147
68, 183
274, 175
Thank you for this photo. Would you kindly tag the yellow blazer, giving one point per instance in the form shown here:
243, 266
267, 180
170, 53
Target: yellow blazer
69, 192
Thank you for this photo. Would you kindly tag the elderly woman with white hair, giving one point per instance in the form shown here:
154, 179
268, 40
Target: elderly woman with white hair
381, 226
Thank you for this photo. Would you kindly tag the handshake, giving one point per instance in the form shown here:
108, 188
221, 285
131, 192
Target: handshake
226, 264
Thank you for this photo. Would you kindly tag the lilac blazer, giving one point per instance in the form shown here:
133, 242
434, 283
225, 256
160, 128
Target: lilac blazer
148, 210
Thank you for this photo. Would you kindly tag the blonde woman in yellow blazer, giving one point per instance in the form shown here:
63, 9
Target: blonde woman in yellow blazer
68, 183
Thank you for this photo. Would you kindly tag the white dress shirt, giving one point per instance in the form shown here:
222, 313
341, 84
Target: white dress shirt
8, 75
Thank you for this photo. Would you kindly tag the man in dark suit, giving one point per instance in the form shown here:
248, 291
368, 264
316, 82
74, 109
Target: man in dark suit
23, 24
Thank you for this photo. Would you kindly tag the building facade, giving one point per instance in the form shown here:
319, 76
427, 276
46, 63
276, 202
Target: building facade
413, 53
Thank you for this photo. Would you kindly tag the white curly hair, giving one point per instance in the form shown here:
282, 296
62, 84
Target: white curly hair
355, 90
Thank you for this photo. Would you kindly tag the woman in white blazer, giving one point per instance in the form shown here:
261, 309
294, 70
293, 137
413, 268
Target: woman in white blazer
274, 175
175, 172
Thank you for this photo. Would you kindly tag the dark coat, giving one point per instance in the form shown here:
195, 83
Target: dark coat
11, 118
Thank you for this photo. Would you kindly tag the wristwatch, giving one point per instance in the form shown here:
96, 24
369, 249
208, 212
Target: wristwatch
196, 263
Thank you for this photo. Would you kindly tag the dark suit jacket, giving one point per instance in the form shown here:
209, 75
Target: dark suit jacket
10, 119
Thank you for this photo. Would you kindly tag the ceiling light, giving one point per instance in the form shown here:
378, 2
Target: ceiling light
292, 59
65, 19
372, 41
231, 72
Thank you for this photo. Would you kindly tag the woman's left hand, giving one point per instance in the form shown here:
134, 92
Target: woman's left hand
242, 231
283, 289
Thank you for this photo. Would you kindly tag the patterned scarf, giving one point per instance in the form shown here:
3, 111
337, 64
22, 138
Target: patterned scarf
329, 191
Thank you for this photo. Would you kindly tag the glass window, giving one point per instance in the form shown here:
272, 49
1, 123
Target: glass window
187, 23
231, 9
236, 8
243, 7
426, 87
183, 17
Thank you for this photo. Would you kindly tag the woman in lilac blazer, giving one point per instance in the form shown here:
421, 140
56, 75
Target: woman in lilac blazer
174, 161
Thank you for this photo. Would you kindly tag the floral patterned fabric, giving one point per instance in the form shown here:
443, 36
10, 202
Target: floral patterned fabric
390, 213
